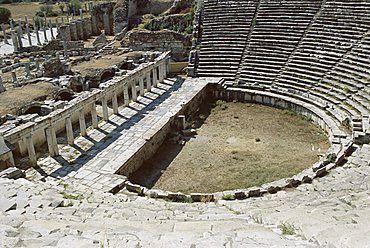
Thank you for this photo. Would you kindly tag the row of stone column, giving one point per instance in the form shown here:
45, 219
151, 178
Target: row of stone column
137, 85
85, 27
17, 32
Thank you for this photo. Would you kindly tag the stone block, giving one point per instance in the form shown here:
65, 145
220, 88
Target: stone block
7, 204
135, 188
254, 192
201, 197
12, 173
240, 195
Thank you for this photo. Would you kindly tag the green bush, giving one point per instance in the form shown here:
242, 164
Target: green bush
287, 228
48, 9
61, 6
4, 15
74, 5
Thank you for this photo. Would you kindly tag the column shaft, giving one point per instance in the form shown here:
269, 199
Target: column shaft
52, 141
31, 150
115, 103
69, 130
134, 90
126, 96
148, 82
141, 85
82, 122
155, 77
94, 116
105, 108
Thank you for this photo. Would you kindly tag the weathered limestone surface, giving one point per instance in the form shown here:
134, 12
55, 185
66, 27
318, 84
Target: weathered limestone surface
332, 211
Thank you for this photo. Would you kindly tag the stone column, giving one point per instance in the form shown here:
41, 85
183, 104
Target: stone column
2, 88
133, 90
81, 14
73, 28
28, 31
63, 35
87, 27
37, 64
155, 77
15, 41
14, 37
106, 23
141, 85
15, 79
94, 116
36, 31
80, 31
19, 37
161, 70
67, 32
69, 131
94, 25
168, 66
28, 71
31, 150
51, 139
57, 24
63, 20
20, 28
126, 96
51, 30
105, 108
115, 103
22, 144
44, 30
148, 81
82, 122
84, 29
4, 33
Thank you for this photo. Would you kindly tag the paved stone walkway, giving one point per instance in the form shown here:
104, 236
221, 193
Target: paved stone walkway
8, 48
95, 158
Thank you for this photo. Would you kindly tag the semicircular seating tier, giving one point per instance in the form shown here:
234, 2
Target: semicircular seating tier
315, 50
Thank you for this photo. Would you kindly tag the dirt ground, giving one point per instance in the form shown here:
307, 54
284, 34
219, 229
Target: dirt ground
14, 98
239, 145
104, 62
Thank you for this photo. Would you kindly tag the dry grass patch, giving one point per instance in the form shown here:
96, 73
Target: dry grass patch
238, 146
15, 98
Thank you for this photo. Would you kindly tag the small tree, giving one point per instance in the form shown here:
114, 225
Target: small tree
61, 6
74, 6
4, 15
48, 9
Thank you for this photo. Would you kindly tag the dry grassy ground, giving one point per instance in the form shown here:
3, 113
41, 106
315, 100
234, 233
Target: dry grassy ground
104, 62
20, 10
226, 153
15, 98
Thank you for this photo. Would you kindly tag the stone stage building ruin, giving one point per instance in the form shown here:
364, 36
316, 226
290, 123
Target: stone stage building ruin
84, 101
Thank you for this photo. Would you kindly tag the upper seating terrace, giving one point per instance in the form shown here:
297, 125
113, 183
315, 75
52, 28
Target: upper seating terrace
316, 51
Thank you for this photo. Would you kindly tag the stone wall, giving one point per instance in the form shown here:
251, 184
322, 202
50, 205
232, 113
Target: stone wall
125, 9
151, 147
178, 44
